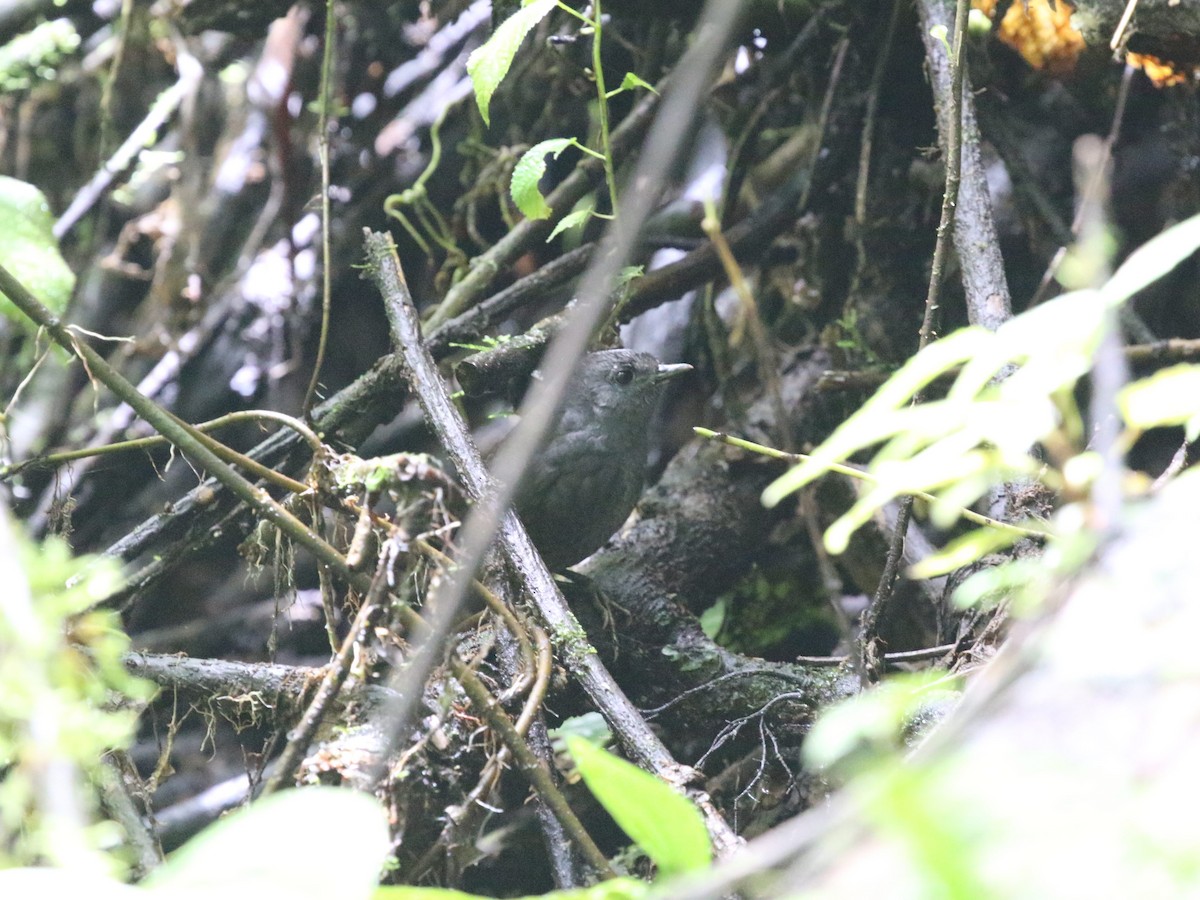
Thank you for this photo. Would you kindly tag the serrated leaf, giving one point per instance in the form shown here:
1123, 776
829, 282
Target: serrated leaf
487, 65
28, 248
527, 174
666, 825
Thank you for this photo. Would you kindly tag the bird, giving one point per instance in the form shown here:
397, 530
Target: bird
588, 475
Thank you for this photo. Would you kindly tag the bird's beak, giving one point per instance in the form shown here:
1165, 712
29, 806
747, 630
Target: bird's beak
666, 372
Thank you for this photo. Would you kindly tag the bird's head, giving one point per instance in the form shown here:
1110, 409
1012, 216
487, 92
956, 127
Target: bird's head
621, 384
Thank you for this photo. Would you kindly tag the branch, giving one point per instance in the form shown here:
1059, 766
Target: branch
975, 239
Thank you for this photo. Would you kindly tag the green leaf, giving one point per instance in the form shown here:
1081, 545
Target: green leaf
941, 33
590, 726
404, 892
962, 552
1170, 396
46, 882
314, 842
628, 275
35, 56
871, 726
614, 889
887, 413
630, 82
713, 618
487, 65
1153, 260
570, 220
28, 248
662, 822
528, 172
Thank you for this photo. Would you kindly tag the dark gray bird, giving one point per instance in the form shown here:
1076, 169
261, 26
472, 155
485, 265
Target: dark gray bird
588, 476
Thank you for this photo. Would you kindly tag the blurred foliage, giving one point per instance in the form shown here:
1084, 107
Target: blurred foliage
64, 701
36, 55
1011, 414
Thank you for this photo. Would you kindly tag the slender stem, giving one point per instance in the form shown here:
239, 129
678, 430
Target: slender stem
869, 637
326, 255
245, 415
602, 99
768, 368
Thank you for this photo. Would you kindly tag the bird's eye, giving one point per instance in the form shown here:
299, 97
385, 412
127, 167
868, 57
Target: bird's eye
623, 375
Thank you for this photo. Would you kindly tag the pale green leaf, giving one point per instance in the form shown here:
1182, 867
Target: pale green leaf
662, 822
873, 723
910, 427
590, 726
1170, 396
487, 65
569, 221
46, 882
1153, 259
887, 413
28, 248
982, 469
713, 618
1009, 581
941, 33
983, 433
313, 842
613, 889
930, 364
963, 551
528, 173
837, 536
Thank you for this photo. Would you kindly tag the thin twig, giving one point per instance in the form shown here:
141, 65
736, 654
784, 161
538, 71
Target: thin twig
120, 805
882, 59
952, 126
899, 656
336, 673
326, 253
64, 456
534, 769
976, 241
764, 351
